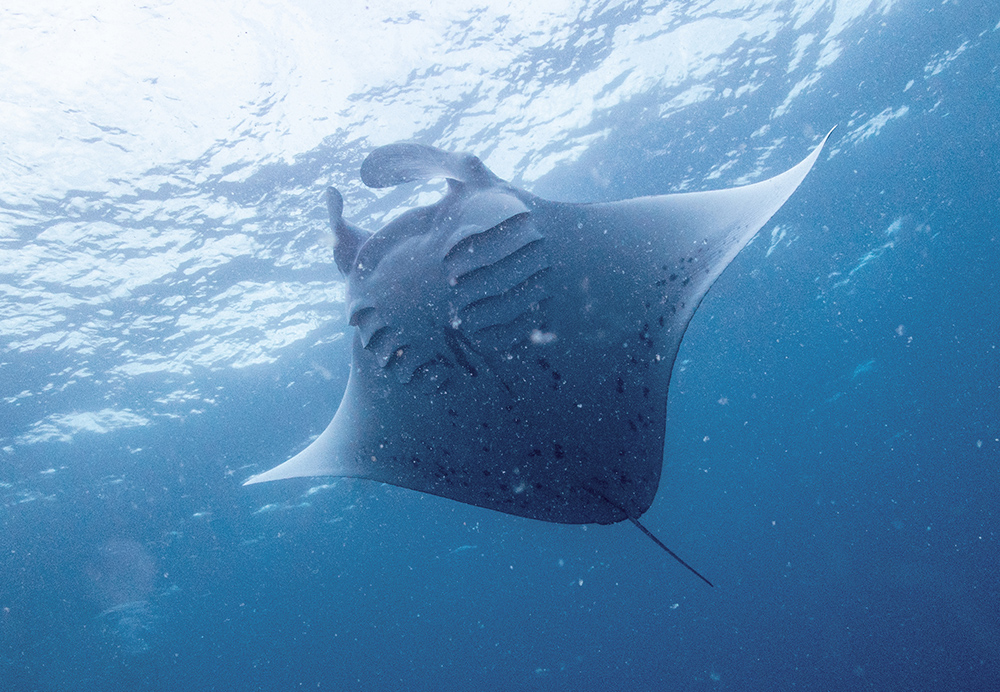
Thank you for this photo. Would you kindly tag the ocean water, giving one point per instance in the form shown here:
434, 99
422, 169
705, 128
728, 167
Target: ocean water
171, 322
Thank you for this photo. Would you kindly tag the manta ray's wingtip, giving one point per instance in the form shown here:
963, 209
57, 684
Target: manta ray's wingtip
256, 478
280, 472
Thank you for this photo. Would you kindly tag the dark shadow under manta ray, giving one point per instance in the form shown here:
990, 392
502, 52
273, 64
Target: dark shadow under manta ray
514, 353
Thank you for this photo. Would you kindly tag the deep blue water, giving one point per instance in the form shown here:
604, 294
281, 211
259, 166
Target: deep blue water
833, 434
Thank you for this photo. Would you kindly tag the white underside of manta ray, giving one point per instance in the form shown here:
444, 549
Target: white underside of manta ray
515, 353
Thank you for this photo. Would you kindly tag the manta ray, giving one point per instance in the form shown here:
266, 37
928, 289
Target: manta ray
514, 353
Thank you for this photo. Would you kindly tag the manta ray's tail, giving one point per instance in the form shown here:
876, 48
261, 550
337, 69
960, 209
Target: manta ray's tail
657, 541
672, 554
